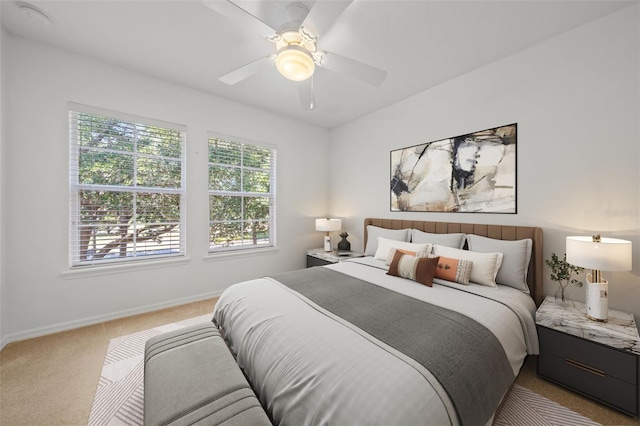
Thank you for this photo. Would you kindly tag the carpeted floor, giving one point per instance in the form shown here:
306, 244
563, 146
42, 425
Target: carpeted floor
120, 394
52, 380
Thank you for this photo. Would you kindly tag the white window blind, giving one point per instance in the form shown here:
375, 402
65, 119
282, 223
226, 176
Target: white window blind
127, 188
242, 182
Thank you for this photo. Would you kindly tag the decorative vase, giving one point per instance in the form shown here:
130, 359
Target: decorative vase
344, 245
559, 297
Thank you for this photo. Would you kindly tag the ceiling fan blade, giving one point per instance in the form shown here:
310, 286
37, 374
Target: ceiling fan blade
322, 16
240, 17
351, 67
307, 98
248, 70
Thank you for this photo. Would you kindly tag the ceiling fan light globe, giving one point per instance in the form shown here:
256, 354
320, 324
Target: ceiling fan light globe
295, 63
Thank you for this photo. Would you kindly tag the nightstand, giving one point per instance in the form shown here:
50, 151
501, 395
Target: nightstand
600, 360
319, 257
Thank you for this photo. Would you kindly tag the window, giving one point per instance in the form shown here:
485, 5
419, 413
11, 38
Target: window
127, 188
241, 195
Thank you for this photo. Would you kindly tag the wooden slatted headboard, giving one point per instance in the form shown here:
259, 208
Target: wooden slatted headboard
500, 232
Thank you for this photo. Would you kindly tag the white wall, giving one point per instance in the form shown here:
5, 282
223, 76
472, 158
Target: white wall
39, 83
576, 101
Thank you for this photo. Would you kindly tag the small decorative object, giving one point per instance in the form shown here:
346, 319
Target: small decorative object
599, 254
562, 272
328, 225
344, 245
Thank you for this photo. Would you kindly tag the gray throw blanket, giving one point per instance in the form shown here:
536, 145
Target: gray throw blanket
463, 355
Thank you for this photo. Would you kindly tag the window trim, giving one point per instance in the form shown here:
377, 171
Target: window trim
75, 187
245, 249
122, 267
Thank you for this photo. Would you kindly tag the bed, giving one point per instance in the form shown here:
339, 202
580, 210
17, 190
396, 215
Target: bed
384, 339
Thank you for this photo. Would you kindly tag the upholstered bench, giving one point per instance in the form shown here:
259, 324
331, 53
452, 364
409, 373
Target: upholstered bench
190, 376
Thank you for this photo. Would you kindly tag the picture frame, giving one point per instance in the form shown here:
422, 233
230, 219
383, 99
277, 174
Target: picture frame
471, 173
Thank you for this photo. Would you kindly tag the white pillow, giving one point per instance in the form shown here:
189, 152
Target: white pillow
385, 245
515, 263
416, 254
485, 265
373, 232
449, 240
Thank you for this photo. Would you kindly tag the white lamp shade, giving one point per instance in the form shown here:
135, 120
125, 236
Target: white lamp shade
610, 254
328, 225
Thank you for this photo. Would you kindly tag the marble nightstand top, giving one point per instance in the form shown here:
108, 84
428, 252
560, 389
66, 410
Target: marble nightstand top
619, 331
331, 256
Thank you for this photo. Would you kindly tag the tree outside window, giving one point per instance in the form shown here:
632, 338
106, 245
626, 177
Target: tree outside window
241, 195
127, 190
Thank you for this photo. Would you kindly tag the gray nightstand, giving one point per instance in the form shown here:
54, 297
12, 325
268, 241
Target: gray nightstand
598, 360
319, 257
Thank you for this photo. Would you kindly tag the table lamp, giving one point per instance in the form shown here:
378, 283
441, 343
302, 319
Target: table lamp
598, 254
328, 225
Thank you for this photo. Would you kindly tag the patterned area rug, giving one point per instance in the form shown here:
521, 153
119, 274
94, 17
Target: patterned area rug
120, 395
526, 408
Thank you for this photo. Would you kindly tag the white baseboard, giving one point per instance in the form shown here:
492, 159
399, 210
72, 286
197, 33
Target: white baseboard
70, 325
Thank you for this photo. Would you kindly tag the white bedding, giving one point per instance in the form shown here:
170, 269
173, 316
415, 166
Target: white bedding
308, 368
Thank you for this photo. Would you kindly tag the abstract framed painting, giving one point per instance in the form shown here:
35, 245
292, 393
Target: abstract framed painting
471, 173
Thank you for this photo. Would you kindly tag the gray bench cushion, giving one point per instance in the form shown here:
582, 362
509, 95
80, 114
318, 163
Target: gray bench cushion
191, 377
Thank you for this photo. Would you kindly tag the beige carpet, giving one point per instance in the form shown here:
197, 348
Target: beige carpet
52, 379
119, 397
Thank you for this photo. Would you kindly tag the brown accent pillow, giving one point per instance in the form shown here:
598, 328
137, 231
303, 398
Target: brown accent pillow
455, 270
419, 269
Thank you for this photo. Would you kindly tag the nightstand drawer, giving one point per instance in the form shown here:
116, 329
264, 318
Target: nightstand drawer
589, 356
314, 261
607, 389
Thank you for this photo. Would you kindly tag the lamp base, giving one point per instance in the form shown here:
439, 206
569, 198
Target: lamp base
597, 300
327, 243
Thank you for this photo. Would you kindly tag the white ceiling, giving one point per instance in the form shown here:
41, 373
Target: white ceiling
419, 43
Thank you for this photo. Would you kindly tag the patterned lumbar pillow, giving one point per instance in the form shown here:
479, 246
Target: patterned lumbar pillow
419, 269
485, 265
455, 270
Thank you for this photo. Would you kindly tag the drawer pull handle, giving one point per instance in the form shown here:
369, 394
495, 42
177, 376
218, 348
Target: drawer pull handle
585, 367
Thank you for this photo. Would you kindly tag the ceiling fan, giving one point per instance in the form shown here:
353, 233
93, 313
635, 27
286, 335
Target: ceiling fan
296, 41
